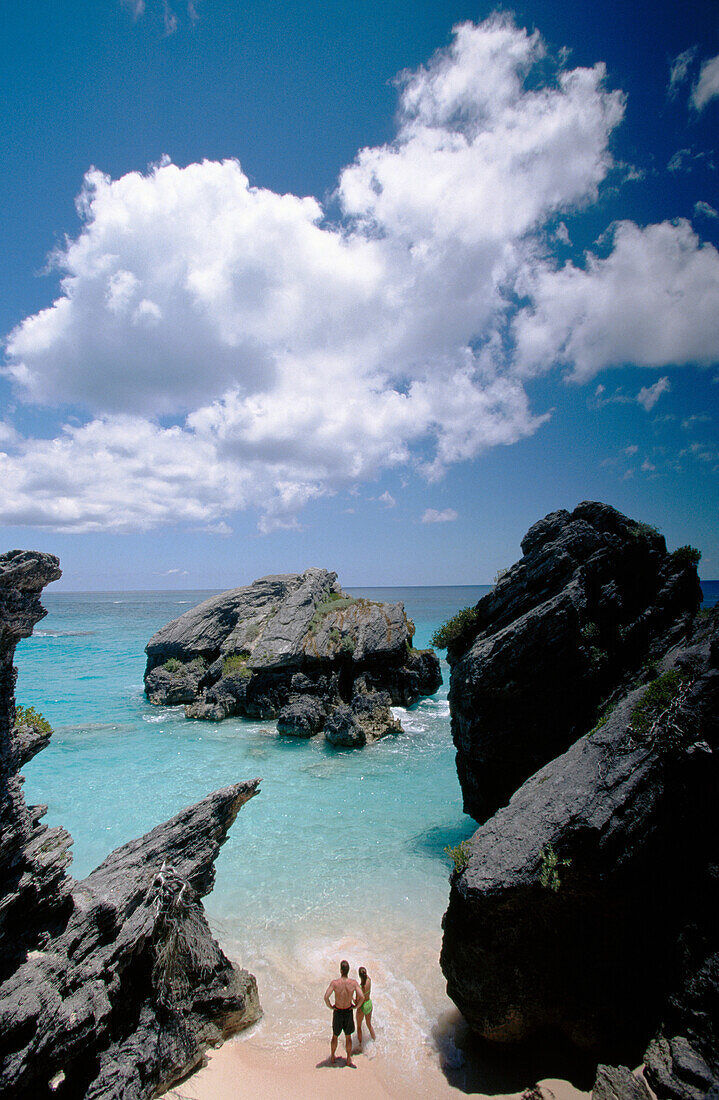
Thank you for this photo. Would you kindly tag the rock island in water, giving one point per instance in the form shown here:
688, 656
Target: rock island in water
294, 647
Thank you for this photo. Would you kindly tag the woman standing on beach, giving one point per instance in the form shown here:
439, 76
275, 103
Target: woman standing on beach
364, 1012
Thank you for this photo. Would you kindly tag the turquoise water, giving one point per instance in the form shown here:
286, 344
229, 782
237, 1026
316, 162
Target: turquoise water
342, 853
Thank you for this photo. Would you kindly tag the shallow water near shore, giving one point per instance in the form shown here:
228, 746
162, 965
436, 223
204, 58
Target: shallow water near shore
342, 853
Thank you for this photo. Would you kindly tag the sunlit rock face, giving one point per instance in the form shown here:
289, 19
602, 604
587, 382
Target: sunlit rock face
113, 986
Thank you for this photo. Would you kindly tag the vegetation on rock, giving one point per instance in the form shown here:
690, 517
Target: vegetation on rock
686, 555
334, 602
655, 717
642, 530
454, 628
28, 716
235, 664
549, 868
459, 854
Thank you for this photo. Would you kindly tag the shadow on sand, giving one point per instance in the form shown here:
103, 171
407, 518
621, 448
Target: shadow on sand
473, 1065
339, 1063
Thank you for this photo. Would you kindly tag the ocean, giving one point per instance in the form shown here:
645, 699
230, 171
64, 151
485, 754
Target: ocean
340, 855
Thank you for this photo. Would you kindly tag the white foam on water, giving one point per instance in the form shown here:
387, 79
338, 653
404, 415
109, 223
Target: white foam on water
293, 966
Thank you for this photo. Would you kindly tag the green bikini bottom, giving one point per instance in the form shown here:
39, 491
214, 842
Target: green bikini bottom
366, 1006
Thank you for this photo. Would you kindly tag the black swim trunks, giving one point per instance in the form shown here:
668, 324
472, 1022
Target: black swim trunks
343, 1020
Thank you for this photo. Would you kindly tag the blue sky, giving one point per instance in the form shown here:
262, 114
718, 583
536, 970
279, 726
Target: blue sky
364, 286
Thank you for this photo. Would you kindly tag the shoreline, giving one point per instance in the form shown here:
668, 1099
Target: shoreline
304, 1072
444, 1065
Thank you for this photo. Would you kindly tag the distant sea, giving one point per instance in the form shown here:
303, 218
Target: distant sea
342, 854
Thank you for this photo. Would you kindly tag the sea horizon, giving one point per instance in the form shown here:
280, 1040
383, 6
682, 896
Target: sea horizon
349, 587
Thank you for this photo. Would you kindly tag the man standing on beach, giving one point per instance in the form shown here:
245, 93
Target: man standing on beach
348, 997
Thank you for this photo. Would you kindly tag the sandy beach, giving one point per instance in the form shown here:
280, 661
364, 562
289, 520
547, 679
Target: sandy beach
246, 1066
424, 1049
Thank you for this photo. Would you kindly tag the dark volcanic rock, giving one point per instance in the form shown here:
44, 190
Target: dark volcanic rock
589, 902
366, 719
303, 716
177, 684
618, 1083
33, 888
676, 1069
594, 597
292, 647
343, 729
111, 987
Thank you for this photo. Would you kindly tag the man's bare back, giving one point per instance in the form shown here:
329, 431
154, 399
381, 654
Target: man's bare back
345, 991
348, 996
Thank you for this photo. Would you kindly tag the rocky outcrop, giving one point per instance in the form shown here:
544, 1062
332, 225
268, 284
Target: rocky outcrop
618, 1083
366, 719
111, 987
594, 598
587, 905
297, 648
34, 891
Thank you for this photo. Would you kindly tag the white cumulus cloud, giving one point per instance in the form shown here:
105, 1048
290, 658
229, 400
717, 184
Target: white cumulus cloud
707, 86
653, 301
680, 67
232, 348
649, 395
433, 515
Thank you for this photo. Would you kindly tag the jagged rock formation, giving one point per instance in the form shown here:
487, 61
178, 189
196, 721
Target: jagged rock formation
595, 596
588, 903
367, 718
297, 648
111, 987
618, 1083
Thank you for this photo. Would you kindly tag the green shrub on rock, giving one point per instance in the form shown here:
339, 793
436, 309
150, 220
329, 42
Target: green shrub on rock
235, 664
28, 716
454, 628
686, 555
656, 701
643, 530
334, 602
549, 868
459, 855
